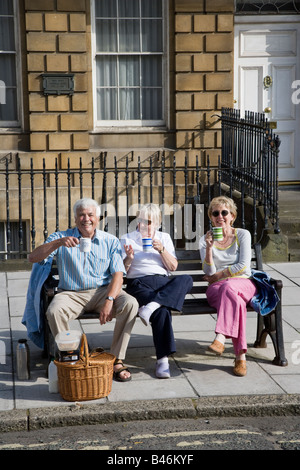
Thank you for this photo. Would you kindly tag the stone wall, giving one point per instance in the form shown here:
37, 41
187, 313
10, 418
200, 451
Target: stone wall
57, 37
204, 72
58, 41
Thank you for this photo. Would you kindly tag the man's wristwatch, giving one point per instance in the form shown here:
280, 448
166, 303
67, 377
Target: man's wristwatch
109, 297
162, 250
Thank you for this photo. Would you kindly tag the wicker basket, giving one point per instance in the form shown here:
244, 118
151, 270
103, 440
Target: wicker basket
89, 378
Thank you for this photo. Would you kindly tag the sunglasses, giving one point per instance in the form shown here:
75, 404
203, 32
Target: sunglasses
145, 221
217, 213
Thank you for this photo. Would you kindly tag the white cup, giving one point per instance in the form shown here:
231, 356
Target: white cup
147, 244
85, 245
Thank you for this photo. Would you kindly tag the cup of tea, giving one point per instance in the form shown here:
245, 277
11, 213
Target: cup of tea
217, 233
147, 244
85, 245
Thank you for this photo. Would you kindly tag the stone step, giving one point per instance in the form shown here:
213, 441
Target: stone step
294, 255
289, 221
289, 224
294, 241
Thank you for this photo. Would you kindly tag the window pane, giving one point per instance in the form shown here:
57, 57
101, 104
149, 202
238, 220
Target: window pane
7, 38
107, 107
129, 103
129, 60
106, 71
152, 104
106, 8
8, 79
152, 42
129, 71
106, 35
6, 7
8, 108
129, 8
152, 71
129, 31
8, 92
151, 8
8, 69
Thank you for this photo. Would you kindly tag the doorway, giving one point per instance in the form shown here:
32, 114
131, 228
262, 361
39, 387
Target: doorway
266, 71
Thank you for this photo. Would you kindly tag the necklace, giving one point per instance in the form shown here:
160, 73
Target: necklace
225, 240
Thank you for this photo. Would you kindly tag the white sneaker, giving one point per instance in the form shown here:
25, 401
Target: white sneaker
163, 370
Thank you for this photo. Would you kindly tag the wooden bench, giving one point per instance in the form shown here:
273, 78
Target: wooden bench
196, 304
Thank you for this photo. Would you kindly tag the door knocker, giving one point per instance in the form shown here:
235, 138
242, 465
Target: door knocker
268, 81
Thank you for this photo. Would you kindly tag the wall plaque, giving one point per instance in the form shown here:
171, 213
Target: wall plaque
58, 83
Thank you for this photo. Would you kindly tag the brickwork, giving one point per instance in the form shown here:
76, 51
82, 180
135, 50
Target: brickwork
203, 72
57, 42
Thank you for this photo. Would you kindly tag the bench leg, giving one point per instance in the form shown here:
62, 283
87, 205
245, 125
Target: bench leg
272, 325
280, 359
261, 333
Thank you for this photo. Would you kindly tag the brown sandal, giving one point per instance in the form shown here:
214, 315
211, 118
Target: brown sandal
240, 368
117, 373
216, 347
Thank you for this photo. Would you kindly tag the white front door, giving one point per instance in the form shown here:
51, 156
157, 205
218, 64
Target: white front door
267, 67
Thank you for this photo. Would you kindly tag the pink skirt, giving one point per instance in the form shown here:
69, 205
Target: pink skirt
230, 297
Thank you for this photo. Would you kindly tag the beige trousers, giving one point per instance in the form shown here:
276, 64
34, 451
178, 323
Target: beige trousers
68, 305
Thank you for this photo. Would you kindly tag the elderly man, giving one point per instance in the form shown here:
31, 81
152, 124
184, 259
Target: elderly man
90, 281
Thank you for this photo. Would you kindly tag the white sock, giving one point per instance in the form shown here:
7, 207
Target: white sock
153, 306
221, 338
146, 311
241, 357
162, 360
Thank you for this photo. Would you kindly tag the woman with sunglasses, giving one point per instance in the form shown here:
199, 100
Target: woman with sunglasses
227, 267
149, 282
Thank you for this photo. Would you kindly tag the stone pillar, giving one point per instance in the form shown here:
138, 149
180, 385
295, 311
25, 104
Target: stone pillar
204, 44
57, 42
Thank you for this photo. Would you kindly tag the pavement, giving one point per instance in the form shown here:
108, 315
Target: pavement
201, 384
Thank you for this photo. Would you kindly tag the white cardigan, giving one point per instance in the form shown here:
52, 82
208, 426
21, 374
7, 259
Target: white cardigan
236, 257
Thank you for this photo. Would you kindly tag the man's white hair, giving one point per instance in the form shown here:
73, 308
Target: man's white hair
84, 203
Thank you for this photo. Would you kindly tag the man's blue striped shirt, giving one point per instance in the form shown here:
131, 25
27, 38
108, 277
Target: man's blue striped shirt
104, 259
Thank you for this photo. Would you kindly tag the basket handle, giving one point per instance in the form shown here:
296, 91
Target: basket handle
84, 349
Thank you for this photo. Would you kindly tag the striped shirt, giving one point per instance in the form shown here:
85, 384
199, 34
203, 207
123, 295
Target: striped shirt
104, 259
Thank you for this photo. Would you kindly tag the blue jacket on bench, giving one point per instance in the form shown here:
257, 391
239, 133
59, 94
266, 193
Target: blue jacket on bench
266, 298
32, 318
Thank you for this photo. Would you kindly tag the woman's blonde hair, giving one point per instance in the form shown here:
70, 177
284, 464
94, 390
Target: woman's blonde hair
150, 212
220, 201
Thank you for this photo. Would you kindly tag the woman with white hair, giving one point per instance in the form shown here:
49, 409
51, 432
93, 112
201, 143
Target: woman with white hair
148, 280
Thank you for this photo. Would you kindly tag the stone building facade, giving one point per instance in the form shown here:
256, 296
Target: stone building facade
57, 38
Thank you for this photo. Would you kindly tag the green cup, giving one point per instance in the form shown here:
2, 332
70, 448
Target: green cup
218, 233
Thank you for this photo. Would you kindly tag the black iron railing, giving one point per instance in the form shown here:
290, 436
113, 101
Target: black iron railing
249, 164
35, 202
43, 198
